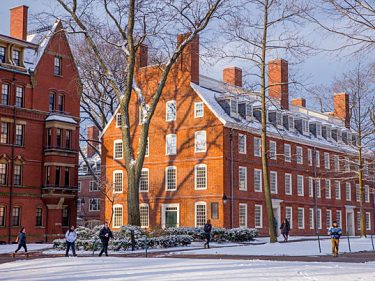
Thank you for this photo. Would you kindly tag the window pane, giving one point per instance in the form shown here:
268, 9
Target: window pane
200, 177
143, 181
200, 215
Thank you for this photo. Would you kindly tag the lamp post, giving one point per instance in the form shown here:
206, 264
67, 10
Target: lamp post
225, 199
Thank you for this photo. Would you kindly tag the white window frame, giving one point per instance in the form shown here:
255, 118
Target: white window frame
291, 123
319, 218
122, 180
260, 225
336, 160
328, 223
273, 150
143, 205
204, 136
114, 149
243, 169
357, 193
312, 218
305, 127
200, 203
338, 194
301, 226
118, 115
257, 147
367, 193
98, 204
166, 177
348, 195
327, 164
93, 183
244, 215
368, 220
287, 156
195, 176
167, 113
339, 221
300, 188
197, 110
299, 154
329, 187
288, 175
242, 143
163, 210
289, 216
168, 141
309, 157
317, 158
273, 174
148, 180
114, 215
311, 187
260, 189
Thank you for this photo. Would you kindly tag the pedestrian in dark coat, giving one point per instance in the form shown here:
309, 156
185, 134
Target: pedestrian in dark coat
71, 237
105, 234
207, 231
285, 228
21, 240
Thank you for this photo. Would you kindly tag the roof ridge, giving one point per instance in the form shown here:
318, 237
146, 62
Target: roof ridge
40, 29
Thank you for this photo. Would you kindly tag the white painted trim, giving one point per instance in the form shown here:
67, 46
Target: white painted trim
163, 209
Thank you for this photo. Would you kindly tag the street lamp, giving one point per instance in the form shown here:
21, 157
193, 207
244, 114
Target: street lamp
225, 199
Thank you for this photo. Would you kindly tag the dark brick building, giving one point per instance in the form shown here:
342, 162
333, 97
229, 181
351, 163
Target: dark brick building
39, 119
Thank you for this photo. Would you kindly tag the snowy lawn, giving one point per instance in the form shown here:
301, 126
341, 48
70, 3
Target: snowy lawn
303, 248
10, 248
114, 268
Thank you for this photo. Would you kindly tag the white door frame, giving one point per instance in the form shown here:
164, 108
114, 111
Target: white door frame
163, 209
276, 205
349, 210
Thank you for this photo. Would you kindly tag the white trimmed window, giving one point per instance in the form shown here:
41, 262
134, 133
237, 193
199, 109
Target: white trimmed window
357, 193
337, 190
273, 151
367, 193
200, 214
339, 218
171, 144
289, 216
117, 149
257, 147
94, 205
198, 109
273, 182
326, 160
287, 153
291, 123
301, 218
200, 176
336, 160
318, 130
299, 155
117, 216
143, 180
117, 181
328, 218
305, 127
144, 215
242, 178
346, 164
288, 184
258, 216
300, 185
359, 220
368, 220
242, 215
311, 187
317, 158
318, 188
171, 111
311, 218
348, 191
200, 141
309, 157
257, 180
93, 186
319, 218
328, 189
171, 178
118, 120
242, 143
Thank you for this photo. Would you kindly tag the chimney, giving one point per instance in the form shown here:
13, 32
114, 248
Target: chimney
341, 107
141, 57
18, 22
233, 76
189, 59
278, 81
93, 140
299, 102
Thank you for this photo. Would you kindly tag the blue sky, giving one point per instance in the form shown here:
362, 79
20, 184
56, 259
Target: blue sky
319, 69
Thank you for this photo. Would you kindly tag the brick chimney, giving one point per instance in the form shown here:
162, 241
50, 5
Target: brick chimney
278, 81
233, 76
18, 22
189, 59
341, 107
93, 140
141, 57
299, 102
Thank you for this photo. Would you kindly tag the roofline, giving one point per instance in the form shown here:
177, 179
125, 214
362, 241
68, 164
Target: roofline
17, 41
109, 123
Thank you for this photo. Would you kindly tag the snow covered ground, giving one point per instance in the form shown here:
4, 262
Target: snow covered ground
114, 268
10, 248
302, 248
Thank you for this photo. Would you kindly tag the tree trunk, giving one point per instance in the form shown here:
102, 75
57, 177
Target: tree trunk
133, 197
267, 191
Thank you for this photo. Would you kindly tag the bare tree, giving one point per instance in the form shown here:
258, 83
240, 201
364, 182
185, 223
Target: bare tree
135, 22
255, 30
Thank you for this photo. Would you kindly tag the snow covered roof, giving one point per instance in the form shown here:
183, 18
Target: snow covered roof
61, 118
94, 162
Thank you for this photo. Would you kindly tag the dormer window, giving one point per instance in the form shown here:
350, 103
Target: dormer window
2, 54
318, 130
57, 66
249, 112
233, 108
339, 135
279, 119
16, 57
354, 139
291, 123
305, 127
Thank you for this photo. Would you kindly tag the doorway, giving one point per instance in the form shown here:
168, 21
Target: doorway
277, 215
350, 222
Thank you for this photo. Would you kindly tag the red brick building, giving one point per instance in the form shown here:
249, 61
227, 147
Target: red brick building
39, 117
90, 204
203, 160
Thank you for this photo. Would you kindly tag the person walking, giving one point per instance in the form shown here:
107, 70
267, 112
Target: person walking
207, 231
285, 228
335, 233
21, 240
105, 234
71, 237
